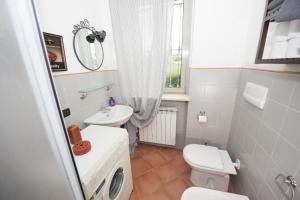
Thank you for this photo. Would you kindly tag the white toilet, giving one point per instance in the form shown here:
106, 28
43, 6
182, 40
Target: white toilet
211, 167
196, 193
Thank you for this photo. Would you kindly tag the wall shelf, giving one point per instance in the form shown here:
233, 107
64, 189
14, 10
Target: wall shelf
84, 92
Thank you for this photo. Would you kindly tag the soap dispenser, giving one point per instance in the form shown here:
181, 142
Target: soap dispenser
111, 102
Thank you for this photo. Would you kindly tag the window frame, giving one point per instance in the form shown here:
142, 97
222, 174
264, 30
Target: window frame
185, 46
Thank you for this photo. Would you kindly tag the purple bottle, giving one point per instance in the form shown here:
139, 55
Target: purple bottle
111, 102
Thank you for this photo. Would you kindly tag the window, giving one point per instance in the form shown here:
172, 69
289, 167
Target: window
175, 70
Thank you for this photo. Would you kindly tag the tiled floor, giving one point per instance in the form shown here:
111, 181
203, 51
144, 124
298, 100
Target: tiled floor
159, 173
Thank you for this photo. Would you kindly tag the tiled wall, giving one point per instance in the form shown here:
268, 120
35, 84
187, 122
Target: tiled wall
213, 91
68, 86
267, 141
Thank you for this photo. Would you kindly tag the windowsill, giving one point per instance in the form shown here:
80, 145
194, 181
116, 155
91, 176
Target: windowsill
175, 97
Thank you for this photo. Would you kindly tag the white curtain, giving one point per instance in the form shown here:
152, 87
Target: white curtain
142, 33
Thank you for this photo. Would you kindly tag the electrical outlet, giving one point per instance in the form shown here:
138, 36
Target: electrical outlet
66, 112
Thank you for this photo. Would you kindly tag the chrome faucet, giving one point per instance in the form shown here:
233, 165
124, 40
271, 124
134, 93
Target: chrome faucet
105, 109
290, 181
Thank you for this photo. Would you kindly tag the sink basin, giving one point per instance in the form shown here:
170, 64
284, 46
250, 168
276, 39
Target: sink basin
111, 116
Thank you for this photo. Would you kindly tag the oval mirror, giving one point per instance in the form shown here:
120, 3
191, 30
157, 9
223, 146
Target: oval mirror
87, 44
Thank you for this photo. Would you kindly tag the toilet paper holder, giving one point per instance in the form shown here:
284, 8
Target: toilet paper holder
201, 113
201, 117
237, 164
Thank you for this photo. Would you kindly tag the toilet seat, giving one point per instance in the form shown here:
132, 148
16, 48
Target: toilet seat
211, 167
203, 156
196, 193
208, 159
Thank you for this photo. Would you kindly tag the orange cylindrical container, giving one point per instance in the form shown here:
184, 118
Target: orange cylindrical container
74, 133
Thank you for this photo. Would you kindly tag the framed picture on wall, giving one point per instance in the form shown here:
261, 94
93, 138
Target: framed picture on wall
56, 52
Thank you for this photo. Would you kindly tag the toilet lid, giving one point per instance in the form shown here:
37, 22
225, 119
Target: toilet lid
203, 156
196, 193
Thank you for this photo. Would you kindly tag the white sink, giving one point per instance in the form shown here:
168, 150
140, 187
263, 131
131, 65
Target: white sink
111, 116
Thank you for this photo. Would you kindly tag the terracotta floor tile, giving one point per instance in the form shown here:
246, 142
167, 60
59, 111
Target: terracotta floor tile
169, 153
136, 154
147, 184
230, 188
187, 177
153, 168
160, 195
139, 166
170, 171
146, 148
175, 188
133, 196
138, 150
179, 160
155, 159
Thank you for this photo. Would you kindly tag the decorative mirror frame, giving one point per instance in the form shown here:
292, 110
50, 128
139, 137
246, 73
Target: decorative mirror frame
85, 24
262, 41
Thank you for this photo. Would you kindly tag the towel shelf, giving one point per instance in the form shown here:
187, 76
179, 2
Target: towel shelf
84, 92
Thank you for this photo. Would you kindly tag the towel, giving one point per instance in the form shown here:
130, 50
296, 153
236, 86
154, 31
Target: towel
275, 3
273, 13
290, 10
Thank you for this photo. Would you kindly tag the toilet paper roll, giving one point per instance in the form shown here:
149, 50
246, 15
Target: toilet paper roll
202, 118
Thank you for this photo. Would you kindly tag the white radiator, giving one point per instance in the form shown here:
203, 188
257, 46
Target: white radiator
163, 128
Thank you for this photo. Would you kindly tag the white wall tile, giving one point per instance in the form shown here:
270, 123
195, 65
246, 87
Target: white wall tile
286, 156
282, 88
295, 102
213, 91
267, 138
274, 114
291, 128
255, 178
266, 193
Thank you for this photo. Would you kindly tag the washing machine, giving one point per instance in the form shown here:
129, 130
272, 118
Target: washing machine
105, 171
120, 184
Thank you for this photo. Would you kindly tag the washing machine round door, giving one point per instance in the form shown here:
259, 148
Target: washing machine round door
116, 183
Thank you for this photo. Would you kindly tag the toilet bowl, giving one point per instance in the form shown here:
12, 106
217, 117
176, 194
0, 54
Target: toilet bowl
211, 167
196, 193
